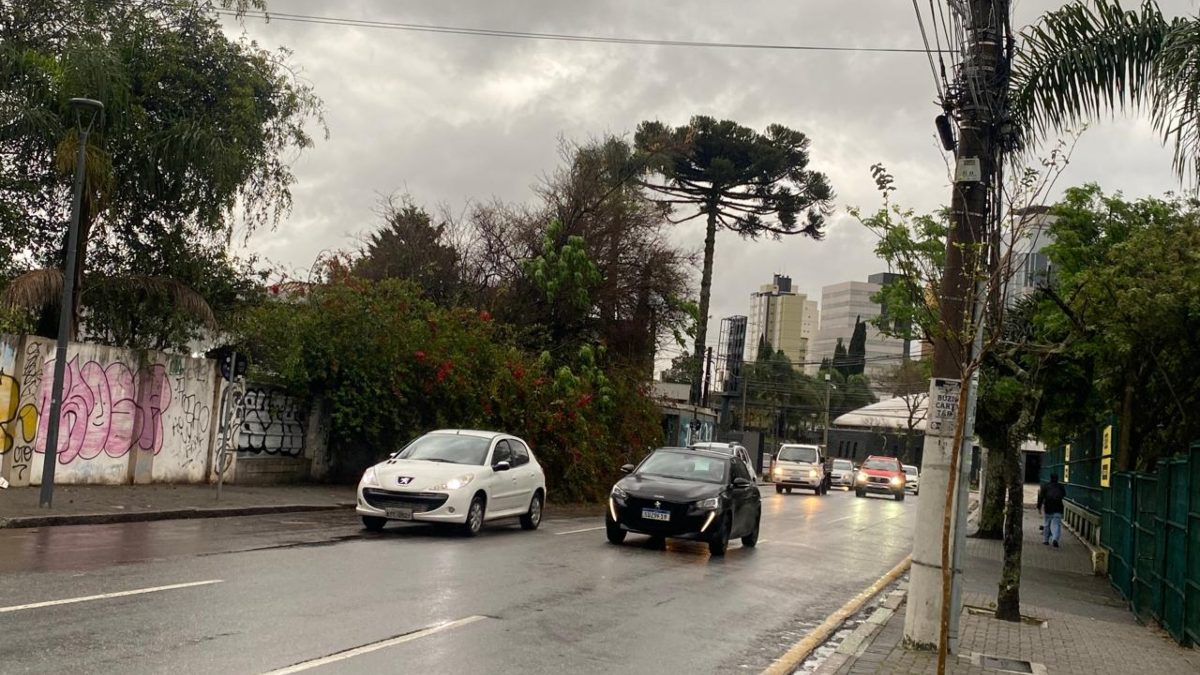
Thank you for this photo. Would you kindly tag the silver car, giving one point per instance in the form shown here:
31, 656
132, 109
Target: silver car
912, 479
842, 473
729, 449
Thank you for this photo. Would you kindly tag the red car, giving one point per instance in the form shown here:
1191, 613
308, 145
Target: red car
880, 474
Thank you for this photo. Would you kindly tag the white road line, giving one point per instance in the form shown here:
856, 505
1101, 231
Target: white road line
105, 596
586, 529
375, 646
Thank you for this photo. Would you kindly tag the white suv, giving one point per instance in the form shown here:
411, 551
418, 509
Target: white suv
729, 449
799, 466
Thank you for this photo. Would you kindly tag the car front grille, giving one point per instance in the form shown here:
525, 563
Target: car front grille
879, 479
417, 501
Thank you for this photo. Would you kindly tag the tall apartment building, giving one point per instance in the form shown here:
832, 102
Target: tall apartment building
784, 318
843, 304
731, 352
1030, 264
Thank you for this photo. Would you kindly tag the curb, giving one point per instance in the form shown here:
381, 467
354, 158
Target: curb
809, 643
171, 514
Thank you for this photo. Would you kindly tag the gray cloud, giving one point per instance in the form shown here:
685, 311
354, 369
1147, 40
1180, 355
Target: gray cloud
455, 118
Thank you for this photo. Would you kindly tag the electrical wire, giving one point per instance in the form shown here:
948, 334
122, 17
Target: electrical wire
561, 37
937, 82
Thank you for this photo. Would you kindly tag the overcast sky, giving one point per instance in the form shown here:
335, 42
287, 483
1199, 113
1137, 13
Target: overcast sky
451, 118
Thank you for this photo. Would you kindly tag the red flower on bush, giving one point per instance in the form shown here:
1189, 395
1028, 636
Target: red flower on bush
420, 355
485, 315
444, 370
518, 372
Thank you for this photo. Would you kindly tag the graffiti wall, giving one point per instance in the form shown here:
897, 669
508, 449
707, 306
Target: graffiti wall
272, 424
131, 416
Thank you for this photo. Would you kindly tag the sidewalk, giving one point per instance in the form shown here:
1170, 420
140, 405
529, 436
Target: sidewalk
88, 504
1087, 627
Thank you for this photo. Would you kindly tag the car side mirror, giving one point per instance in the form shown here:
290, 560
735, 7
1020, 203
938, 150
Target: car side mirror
742, 483
627, 468
502, 465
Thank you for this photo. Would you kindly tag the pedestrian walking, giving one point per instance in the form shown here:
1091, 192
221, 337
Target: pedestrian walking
1050, 505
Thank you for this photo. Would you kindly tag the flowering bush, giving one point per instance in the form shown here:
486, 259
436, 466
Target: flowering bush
392, 365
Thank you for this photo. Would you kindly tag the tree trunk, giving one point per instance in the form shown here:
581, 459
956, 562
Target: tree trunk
991, 504
1008, 600
710, 241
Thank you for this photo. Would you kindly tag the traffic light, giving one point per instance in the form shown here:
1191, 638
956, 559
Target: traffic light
232, 364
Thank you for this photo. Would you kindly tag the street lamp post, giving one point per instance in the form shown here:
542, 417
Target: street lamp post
91, 109
825, 442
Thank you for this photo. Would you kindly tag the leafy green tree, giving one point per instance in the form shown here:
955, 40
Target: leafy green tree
856, 355
196, 127
681, 370
410, 246
754, 184
841, 359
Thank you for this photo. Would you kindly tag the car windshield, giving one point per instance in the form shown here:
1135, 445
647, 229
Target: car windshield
910, 470
842, 464
879, 465
449, 448
798, 453
685, 466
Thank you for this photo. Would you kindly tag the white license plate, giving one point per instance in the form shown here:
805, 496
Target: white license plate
399, 514
653, 514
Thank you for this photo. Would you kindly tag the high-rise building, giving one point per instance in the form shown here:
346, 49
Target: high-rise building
842, 305
1030, 264
783, 318
731, 351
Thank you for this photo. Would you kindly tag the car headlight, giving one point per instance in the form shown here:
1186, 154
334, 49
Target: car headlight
456, 482
861, 477
778, 471
710, 503
812, 473
896, 482
619, 495
369, 478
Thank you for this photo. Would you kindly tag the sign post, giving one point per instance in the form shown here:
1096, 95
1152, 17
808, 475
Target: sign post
944, 395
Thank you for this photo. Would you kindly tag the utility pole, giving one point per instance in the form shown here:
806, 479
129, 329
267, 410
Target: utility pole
981, 84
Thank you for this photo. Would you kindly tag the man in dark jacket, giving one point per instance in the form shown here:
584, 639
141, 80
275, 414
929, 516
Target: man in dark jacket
1050, 504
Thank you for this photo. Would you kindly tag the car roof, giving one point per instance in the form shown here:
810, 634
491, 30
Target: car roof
799, 445
909, 466
887, 457
702, 452
713, 445
472, 432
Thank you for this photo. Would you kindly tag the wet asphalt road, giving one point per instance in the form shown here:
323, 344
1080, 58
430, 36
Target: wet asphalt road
294, 588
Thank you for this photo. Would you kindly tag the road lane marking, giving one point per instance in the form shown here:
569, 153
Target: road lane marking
586, 529
801, 650
105, 596
376, 646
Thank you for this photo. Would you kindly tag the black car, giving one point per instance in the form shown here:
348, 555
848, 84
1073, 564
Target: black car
688, 494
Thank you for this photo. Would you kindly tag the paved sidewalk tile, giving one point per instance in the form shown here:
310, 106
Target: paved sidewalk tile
1085, 627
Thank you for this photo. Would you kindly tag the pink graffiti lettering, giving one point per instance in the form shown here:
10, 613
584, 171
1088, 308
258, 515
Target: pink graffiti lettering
106, 409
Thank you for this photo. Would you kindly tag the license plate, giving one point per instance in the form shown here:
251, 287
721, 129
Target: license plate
654, 514
399, 514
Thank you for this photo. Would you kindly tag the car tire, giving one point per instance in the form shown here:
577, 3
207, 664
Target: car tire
373, 523
789, 490
751, 540
859, 493
916, 493
614, 532
900, 496
778, 489
533, 518
720, 541
475, 513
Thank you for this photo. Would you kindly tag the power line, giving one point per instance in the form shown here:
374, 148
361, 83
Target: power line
559, 37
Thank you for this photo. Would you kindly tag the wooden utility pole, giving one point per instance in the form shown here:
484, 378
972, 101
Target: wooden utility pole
977, 102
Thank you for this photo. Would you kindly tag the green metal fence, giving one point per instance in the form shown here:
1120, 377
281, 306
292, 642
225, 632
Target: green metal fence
1149, 524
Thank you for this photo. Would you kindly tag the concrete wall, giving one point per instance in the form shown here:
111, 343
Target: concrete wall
130, 416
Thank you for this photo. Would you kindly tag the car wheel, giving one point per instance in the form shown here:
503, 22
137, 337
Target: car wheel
475, 513
751, 540
917, 493
859, 493
373, 523
789, 490
615, 534
778, 489
533, 518
899, 496
720, 540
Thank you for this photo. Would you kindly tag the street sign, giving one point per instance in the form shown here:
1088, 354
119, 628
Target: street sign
1067, 464
1105, 471
1107, 449
944, 395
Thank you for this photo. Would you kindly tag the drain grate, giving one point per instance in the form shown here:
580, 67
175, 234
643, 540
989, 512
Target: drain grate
1008, 665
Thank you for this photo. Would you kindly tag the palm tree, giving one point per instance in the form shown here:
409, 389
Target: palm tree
1092, 55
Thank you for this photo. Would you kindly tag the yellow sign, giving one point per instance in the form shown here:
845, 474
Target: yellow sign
1067, 464
1105, 471
1107, 450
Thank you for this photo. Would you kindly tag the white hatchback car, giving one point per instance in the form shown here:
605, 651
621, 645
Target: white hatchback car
455, 476
912, 479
